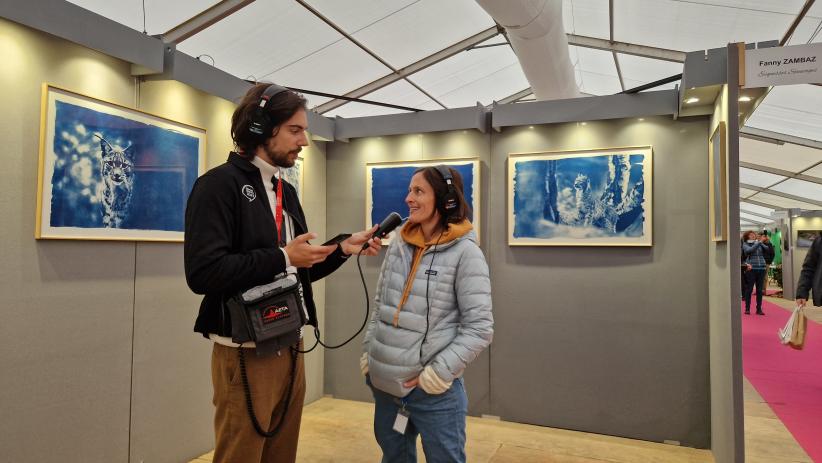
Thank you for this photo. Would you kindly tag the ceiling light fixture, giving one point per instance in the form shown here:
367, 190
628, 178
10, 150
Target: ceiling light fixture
744, 98
692, 100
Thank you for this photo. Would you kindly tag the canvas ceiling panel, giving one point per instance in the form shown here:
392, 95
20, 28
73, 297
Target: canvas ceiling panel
747, 207
262, 39
788, 156
744, 192
598, 84
399, 93
337, 69
753, 218
690, 26
757, 178
816, 171
784, 203
791, 109
423, 28
641, 71
800, 188
160, 16
483, 75
353, 15
586, 17
807, 30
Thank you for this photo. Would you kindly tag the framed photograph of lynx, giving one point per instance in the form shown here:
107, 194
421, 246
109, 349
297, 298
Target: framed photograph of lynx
109, 172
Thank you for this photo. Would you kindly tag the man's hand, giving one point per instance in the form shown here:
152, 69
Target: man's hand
801, 302
353, 244
304, 255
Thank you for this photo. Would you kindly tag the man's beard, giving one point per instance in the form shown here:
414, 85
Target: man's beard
285, 159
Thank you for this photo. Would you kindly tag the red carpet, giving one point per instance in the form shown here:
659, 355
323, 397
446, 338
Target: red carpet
789, 380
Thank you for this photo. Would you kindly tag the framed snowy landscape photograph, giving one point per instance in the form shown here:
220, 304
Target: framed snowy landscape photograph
581, 198
109, 172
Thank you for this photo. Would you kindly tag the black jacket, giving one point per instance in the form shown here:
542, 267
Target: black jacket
810, 279
230, 242
768, 252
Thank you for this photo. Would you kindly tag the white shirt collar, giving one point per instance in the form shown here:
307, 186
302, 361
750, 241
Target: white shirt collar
267, 170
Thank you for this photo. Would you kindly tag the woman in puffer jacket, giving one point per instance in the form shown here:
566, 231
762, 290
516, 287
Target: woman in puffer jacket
432, 318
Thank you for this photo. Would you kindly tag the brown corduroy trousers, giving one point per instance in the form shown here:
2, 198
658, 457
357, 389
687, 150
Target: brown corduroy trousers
236, 439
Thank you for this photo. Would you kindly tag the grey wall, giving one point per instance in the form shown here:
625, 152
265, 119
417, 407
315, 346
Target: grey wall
96, 342
345, 303
605, 340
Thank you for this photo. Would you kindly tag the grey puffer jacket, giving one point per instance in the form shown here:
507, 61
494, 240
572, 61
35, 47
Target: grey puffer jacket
460, 323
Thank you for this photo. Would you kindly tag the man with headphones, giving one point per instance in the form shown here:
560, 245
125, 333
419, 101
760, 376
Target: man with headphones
245, 227
432, 318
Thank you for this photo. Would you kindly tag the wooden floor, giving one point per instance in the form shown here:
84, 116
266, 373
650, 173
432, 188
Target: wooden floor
340, 431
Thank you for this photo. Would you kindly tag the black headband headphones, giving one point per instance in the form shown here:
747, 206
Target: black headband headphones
449, 201
259, 122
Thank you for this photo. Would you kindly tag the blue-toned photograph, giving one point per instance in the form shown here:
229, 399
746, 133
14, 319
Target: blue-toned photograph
388, 187
111, 173
294, 176
580, 199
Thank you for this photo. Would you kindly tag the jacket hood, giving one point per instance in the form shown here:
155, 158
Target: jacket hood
412, 234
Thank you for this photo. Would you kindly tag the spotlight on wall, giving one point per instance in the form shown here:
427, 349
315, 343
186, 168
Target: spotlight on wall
641, 119
531, 127
692, 100
583, 123
744, 98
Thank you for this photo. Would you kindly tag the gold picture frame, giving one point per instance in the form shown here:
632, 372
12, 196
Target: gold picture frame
718, 184
111, 172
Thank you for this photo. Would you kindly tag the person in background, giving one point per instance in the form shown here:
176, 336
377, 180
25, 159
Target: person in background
810, 278
432, 318
753, 253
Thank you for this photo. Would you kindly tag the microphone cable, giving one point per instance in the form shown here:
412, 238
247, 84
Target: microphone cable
367, 308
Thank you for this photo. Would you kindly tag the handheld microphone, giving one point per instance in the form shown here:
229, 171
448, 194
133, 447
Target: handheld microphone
387, 226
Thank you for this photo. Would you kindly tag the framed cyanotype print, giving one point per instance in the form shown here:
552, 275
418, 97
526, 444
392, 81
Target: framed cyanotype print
294, 176
718, 185
109, 172
387, 186
581, 198
805, 238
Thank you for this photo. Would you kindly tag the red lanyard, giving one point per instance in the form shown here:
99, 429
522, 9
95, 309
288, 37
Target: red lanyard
278, 216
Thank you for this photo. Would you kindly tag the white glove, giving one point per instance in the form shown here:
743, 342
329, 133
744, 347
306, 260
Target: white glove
364, 363
431, 383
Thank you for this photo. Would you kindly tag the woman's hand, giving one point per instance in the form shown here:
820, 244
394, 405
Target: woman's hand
354, 243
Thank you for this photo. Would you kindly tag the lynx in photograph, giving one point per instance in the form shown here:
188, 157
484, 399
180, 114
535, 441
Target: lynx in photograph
117, 172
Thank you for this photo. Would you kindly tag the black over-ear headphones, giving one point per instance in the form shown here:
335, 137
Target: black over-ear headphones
259, 122
449, 200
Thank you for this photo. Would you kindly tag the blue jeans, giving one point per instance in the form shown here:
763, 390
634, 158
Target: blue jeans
439, 419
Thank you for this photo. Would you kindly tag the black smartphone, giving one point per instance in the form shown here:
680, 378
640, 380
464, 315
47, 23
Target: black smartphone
337, 239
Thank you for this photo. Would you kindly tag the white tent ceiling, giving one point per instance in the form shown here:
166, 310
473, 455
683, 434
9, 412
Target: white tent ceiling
338, 47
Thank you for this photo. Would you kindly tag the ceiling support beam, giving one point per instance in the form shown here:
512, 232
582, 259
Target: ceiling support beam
203, 20
403, 73
784, 173
760, 203
643, 51
781, 194
362, 47
756, 214
795, 23
760, 134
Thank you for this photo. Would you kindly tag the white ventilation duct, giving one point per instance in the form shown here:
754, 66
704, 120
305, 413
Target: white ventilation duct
535, 30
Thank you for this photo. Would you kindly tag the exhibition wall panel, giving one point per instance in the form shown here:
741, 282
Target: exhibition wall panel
726, 417
345, 303
609, 340
97, 335
67, 306
799, 246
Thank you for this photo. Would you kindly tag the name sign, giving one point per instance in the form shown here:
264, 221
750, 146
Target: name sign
797, 64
